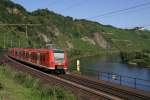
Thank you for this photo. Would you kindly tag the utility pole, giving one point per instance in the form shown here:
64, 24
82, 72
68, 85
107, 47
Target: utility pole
4, 42
26, 32
7, 41
11, 43
26, 26
19, 43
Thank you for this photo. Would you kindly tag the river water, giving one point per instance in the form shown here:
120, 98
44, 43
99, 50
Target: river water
112, 64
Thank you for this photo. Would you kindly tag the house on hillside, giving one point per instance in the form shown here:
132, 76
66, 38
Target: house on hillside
139, 28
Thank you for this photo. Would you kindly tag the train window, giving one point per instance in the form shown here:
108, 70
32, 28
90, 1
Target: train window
31, 56
59, 55
22, 53
27, 55
34, 56
43, 58
40, 57
18, 52
58, 51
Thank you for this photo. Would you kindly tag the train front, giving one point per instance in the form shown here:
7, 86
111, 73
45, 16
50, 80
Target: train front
60, 60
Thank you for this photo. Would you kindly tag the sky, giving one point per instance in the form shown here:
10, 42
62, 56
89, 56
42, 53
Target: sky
89, 9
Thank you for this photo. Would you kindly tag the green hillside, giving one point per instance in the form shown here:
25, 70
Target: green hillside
80, 37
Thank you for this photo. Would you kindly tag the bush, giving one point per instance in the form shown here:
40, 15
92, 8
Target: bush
1, 87
43, 91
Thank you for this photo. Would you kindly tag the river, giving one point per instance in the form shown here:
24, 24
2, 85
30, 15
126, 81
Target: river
112, 64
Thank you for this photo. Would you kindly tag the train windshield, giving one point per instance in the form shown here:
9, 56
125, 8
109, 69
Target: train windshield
59, 55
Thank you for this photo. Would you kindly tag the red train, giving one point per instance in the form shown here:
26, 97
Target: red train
54, 60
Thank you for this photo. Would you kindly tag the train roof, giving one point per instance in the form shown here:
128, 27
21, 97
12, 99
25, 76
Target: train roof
32, 50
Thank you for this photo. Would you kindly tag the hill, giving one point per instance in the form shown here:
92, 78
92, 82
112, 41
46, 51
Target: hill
79, 36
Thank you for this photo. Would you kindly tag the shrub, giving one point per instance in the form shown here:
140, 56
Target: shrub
43, 91
1, 87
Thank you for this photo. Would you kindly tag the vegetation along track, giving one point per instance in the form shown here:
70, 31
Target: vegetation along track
82, 92
106, 92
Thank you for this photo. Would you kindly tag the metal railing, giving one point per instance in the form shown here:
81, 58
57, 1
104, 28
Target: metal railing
136, 83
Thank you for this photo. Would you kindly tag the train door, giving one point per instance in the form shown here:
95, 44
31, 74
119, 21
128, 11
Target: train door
38, 58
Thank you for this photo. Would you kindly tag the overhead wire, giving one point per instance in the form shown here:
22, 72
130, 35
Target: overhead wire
121, 10
52, 3
75, 5
130, 11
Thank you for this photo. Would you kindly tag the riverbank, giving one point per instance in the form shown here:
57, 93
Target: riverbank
19, 86
74, 56
139, 62
137, 58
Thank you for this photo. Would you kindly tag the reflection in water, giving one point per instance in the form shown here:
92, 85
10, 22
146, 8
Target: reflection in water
91, 66
113, 64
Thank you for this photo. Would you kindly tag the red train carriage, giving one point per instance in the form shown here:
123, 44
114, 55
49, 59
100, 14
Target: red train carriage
52, 59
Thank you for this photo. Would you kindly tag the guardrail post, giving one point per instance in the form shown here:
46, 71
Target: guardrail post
120, 79
108, 76
134, 82
99, 75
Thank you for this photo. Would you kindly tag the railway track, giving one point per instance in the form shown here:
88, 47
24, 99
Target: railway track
82, 92
84, 88
121, 93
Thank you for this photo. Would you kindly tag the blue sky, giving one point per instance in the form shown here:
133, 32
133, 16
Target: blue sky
89, 8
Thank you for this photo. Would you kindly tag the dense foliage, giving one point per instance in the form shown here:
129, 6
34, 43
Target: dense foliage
140, 58
19, 86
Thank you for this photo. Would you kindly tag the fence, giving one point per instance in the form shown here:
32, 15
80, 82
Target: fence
120, 79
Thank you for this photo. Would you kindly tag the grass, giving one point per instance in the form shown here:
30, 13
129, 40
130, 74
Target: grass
129, 39
19, 86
